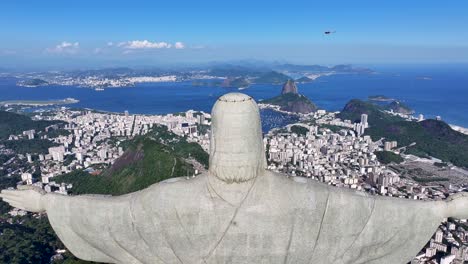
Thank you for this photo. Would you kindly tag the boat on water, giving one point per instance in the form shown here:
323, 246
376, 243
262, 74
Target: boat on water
99, 89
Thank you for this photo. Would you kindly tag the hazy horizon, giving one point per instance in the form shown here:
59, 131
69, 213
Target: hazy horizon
57, 34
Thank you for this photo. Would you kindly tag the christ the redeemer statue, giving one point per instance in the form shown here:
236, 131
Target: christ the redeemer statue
238, 212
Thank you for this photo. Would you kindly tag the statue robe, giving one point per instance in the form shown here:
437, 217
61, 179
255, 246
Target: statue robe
280, 220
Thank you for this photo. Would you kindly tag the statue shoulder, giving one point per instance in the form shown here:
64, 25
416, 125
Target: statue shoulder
174, 187
296, 185
294, 181
310, 185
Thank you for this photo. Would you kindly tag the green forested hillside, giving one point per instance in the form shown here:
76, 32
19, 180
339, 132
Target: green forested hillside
432, 137
148, 159
387, 157
13, 123
31, 241
24, 146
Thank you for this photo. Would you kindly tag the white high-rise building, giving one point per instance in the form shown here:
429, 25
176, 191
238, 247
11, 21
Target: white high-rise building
79, 156
102, 153
57, 153
430, 252
388, 146
45, 179
27, 177
364, 120
438, 236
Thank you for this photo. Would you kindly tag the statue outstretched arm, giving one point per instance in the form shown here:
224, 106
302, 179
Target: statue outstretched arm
457, 206
26, 197
372, 228
92, 227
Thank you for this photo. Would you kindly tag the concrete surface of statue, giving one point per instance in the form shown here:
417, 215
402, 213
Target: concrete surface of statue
240, 213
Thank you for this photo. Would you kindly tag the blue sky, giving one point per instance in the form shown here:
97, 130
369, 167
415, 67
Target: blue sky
87, 33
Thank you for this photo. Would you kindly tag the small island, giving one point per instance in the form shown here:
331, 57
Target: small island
32, 83
380, 98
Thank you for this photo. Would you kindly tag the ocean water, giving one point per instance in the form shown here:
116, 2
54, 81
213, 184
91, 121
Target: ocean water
432, 91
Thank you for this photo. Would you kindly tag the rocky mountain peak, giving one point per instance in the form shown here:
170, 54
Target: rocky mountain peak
289, 87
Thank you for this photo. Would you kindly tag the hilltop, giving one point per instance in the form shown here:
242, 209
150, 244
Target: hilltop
432, 137
148, 159
289, 87
291, 101
376, 115
399, 107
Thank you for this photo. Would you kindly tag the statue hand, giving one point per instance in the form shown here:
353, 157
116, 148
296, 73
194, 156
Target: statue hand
458, 205
26, 197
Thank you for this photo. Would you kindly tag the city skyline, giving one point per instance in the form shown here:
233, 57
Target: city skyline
234, 131
85, 34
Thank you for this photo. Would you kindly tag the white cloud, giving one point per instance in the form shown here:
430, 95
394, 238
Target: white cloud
110, 43
144, 44
179, 45
97, 50
65, 47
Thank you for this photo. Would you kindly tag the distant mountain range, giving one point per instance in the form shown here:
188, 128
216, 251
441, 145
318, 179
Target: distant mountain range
231, 82
274, 74
341, 68
220, 74
229, 70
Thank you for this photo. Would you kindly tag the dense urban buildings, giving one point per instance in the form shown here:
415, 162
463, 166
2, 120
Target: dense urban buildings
320, 146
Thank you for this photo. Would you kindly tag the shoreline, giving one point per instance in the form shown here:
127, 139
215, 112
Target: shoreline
40, 102
460, 127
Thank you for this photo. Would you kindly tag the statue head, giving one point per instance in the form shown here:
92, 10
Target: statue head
236, 152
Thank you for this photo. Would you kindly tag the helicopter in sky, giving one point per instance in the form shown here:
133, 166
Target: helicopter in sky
329, 32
